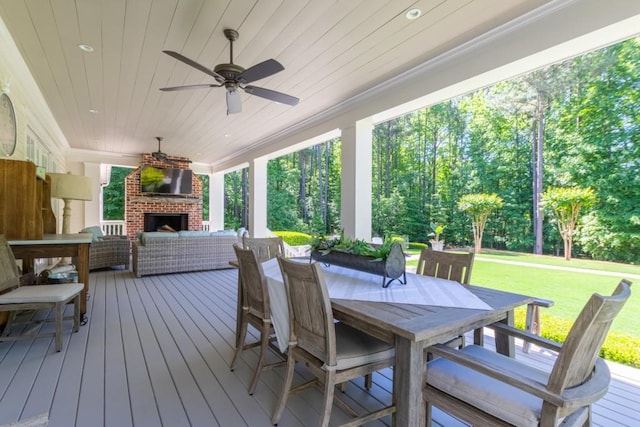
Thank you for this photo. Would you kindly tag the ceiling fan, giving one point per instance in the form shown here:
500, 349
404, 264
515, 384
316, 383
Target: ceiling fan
159, 155
234, 77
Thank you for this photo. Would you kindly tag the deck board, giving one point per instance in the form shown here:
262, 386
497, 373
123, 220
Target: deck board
156, 352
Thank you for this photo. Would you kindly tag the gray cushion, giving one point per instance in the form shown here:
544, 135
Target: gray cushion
96, 231
355, 348
145, 237
224, 233
490, 395
191, 233
41, 293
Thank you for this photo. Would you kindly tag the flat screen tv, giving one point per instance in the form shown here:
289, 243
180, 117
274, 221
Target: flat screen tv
165, 180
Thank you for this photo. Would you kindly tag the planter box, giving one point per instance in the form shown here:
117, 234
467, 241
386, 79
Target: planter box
392, 268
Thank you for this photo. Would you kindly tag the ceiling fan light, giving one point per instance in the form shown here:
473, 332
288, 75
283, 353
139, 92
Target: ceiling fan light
234, 104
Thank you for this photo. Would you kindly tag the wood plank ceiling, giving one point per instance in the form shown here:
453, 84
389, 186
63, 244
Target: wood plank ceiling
331, 51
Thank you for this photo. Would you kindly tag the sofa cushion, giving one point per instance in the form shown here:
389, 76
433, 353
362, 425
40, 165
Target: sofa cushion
224, 233
96, 231
148, 236
190, 233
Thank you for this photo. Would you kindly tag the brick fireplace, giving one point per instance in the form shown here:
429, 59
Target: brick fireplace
179, 212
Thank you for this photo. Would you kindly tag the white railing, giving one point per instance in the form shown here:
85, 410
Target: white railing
112, 228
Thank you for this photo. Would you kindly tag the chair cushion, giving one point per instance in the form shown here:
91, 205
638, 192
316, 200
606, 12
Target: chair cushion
488, 394
96, 231
355, 348
41, 293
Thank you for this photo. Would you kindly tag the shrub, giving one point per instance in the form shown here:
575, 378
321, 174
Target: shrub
617, 347
294, 238
417, 245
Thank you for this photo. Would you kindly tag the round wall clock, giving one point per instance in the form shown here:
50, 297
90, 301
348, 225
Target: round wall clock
7, 126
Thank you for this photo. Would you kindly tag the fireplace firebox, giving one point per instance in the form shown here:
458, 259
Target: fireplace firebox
156, 221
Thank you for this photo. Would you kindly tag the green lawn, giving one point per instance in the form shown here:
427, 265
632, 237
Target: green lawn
559, 261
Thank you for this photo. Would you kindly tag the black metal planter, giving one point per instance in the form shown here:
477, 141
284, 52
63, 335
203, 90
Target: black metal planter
391, 268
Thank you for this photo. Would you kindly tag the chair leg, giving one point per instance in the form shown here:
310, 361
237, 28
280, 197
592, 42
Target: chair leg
264, 344
286, 388
329, 385
244, 323
532, 324
368, 381
10, 319
59, 308
429, 414
76, 313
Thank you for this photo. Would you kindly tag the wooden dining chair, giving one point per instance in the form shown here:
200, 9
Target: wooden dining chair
265, 248
454, 266
15, 298
333, 352
255, 311
486, 388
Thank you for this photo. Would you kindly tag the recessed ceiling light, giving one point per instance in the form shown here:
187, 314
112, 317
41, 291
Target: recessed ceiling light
413, 14
226, 135
86, 47
92, 111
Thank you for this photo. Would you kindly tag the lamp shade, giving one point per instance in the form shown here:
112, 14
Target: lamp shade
71, 187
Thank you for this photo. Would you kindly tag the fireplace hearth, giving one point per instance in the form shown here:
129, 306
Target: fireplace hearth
158, 221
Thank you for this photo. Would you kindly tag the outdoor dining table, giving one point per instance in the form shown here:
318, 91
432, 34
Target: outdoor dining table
423, 312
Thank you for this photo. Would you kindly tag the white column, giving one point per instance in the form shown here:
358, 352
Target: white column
355, 210
258, 198
216, 201
93, 209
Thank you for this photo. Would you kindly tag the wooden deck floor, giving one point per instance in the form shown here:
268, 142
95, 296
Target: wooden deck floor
156, 352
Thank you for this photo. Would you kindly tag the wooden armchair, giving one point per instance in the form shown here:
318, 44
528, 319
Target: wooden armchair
333, 352
489, 389
14, 298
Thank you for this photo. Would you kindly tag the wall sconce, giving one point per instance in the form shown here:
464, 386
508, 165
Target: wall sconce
70, 187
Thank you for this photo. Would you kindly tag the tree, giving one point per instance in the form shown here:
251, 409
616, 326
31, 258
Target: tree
566, 204
479, 206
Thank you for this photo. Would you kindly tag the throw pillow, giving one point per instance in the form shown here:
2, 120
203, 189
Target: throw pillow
95, 230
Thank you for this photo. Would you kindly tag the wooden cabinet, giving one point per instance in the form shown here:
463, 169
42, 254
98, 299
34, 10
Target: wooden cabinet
25, 202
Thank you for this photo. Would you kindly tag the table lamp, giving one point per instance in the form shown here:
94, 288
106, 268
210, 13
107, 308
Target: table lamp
70, 187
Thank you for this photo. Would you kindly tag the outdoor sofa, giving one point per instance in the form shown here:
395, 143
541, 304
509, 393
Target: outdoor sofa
183, 251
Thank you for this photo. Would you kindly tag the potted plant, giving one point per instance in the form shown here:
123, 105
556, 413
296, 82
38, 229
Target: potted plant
436, 243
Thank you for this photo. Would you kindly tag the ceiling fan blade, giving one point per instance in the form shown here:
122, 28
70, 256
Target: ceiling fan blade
272, 95
260, 71
202, 86
234, 104
194, 64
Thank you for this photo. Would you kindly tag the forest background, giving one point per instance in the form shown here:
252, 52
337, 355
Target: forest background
576, 123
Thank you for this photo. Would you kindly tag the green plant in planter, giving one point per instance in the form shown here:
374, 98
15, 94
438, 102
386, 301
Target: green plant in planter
348, 245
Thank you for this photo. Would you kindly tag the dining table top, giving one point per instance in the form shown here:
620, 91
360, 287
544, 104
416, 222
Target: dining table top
417, 318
